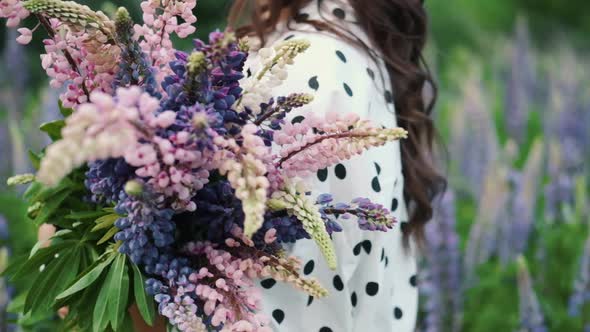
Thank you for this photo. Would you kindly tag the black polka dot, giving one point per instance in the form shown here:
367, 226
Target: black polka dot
372, 288
371, 73
341, 56
397, 313
413, 281
367, 245
394, 204
309, 267
386, 261
376, 185
249, 72
268, 283
338, 12
388, 97
297, 119
323, 174
382, 254
347, 89
340, 171
353, 299
313, 83
404, 226
309, 300
357, 249
325, 329
301, 17
278, 315
378, 168
338, 284
289, 37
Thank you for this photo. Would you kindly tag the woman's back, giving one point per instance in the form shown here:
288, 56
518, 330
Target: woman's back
373, 288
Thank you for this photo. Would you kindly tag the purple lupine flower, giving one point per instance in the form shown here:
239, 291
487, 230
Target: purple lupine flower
442, 283
369, 216
474, 144
145, 229
520, 216
581, 289
105, 179
219, 211
485, 231
520, 85
531, 316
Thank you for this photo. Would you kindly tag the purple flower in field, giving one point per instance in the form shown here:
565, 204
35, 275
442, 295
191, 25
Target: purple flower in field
487, 228
520, 217
531, 316
581, 292
442, 284
474, 143
520, 85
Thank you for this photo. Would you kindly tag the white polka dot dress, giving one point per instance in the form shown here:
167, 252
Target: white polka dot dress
374, 286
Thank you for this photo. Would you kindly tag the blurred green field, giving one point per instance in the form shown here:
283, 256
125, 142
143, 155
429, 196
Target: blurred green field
509, 247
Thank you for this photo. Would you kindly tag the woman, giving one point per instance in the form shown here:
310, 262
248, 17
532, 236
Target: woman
365, 57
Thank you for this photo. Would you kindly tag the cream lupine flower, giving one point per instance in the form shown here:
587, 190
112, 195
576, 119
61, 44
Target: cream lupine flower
292, 198
258, 88
246, 174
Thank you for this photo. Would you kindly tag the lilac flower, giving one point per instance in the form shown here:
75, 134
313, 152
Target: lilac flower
442, 285
581, 290
531, 316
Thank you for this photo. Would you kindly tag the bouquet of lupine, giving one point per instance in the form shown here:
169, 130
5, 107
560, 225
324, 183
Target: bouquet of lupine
174, 180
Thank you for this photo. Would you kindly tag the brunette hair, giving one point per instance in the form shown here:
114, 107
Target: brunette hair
397, 29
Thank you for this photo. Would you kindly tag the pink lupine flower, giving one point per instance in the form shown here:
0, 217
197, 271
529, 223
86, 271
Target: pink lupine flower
26, 35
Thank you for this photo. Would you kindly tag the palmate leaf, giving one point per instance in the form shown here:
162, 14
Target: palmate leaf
105, 221
86, 215
118, 291
51, 205
51, 281
42, 256
88, 277
108, 235
100, 319
145, 303
112, 302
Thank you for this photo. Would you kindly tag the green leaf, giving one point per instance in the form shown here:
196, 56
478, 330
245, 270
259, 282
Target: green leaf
144, 303
100, 319
65, 111
42, 256
33, 190
50, 206
35, 159
108, 235
87, 278
53, 129
85, 215
127, 325
59, 272
105, 222
118, 291
17, 304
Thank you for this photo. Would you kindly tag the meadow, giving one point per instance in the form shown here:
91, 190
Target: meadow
509, 246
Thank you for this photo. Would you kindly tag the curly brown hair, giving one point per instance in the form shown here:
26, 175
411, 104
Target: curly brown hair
397, 29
